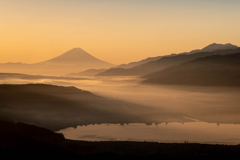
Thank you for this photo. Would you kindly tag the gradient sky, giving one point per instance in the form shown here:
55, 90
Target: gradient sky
117, 31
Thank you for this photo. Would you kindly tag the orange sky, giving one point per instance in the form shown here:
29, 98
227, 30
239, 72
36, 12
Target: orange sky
112, 30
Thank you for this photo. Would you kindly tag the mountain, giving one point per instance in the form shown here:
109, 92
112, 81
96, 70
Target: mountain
212, 47
168, 61
77, 57
216, 70
58, 107
74, 60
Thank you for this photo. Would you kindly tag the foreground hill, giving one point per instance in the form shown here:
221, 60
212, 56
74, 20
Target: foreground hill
27, 141
216, 70
168, 61
58, 107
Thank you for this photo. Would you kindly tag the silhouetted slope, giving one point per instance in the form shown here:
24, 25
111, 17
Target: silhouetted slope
162, 63
31, 131
77, 57
30, 142
212, 47
216, 70
56, 107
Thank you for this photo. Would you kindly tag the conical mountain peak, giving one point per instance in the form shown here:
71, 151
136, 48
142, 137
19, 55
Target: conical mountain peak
76, 50
75, 53
77, 57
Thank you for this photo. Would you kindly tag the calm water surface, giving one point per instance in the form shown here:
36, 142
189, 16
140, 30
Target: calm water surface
192, 132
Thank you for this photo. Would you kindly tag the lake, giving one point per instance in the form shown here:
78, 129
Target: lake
191, 132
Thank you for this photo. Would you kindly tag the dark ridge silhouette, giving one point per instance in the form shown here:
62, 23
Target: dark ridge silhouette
58, 107
75, 60
31, 131
27, 141
164, 62
212, 47
89, 72
216, 70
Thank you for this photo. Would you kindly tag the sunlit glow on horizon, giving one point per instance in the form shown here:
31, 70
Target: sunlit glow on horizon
114, 31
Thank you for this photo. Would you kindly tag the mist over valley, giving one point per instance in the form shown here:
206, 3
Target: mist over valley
193, 98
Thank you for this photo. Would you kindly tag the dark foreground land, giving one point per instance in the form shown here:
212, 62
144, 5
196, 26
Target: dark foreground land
28, 141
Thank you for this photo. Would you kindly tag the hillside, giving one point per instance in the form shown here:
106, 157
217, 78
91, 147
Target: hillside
58, 107
216, 70
78, 58
164, 62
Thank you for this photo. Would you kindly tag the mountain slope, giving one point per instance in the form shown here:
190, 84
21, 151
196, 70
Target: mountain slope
210, 48
58, 107
213, 47
77, 57
216, 70
164, 62
75, 60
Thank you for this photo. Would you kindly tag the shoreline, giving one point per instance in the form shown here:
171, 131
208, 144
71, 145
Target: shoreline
24, 140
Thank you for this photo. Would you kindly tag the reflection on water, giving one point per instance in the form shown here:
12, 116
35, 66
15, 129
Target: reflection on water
194, 132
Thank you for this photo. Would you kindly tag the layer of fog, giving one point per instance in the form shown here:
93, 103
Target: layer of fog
209, 104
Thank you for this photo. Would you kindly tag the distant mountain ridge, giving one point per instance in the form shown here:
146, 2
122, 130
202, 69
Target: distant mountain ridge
215, 70
213, 47
171, 60
74, 60
77, 57
210, 48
